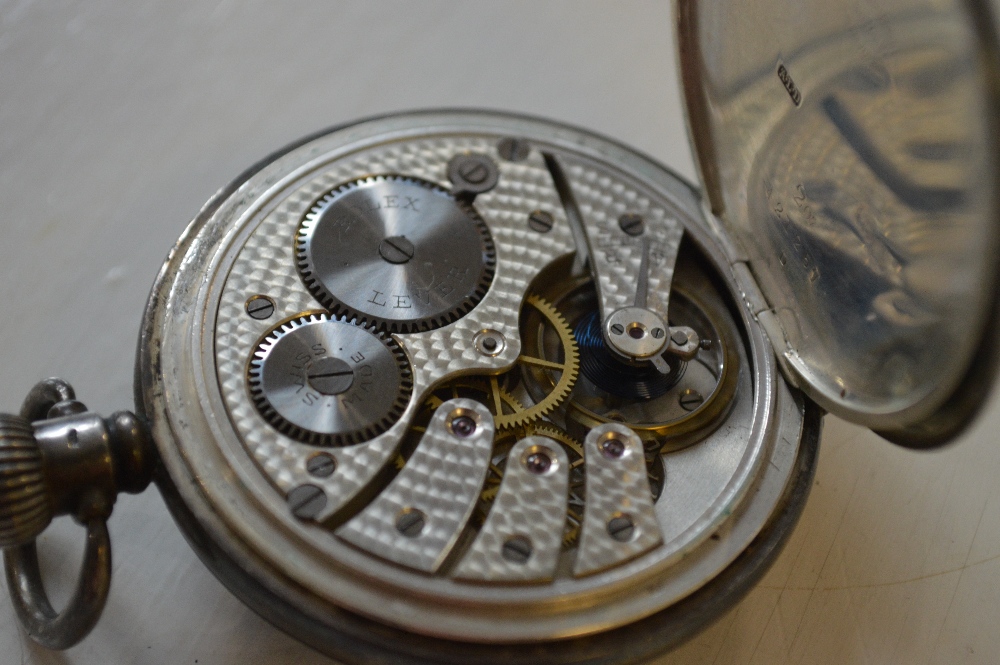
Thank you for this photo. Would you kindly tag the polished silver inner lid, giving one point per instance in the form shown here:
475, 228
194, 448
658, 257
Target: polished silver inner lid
849, 149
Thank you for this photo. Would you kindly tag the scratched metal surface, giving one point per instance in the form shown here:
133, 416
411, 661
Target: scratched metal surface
119, 120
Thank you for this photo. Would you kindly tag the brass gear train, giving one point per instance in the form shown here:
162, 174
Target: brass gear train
514, 420
548, 318
509, 413
494, 476
576, 299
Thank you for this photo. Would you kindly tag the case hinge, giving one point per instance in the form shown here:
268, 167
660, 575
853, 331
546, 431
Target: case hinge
753, 297
761, 310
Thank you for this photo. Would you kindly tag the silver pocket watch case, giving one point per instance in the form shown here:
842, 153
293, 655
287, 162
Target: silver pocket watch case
461, 386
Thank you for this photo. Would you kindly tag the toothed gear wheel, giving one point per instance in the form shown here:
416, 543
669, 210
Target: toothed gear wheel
398, 253
509, 413
560, 373
329, 381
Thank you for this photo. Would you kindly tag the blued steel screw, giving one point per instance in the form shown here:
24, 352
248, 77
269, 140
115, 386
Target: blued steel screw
306, 501
541, 221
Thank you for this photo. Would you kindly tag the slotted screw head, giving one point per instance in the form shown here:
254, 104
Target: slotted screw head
396, 249
621, 528
632, 224
330, 376
321, 465
690, 399
411, 522
517, 549
306, 501
260, 307
541, 221
473, 173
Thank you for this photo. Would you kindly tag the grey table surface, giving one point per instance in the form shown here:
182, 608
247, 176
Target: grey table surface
118, 120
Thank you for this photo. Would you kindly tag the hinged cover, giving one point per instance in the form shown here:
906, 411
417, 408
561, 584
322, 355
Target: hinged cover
850, 148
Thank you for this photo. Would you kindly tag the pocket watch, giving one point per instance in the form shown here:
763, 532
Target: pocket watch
460, 386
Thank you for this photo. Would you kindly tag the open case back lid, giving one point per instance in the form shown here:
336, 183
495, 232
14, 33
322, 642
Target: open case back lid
850, 150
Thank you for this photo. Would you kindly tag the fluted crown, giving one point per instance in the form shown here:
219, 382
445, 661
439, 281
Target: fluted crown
25, 509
